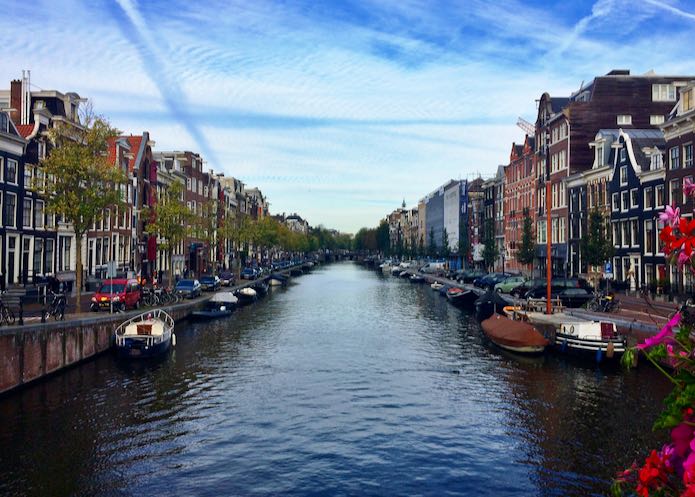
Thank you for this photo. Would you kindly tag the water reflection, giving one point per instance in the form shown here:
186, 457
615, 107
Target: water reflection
347, 382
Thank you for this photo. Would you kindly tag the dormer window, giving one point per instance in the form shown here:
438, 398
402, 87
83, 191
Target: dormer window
687, 100
624, 119
599, 155
663, 93
657, 161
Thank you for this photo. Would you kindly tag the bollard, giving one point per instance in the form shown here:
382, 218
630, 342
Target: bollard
21, 311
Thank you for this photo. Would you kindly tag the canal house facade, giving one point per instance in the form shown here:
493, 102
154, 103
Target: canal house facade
679, 134
519, 199
637, 197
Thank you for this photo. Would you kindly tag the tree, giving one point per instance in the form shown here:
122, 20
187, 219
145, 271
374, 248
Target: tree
382, 237
526, 252
432, 247
83, 182
421, 246
445, 243
596, 247
490, 251
170, 219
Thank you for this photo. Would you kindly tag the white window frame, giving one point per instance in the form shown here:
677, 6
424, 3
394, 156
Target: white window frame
43, 214
648, 199
2, 169
657, 189
671, 151
624, 119
24, 211
623, 175
16, 171
656, 119
684, 157
671, 189
634, 194
649, 223
663, 92
615, 202
624, 201
634, 233
4, 211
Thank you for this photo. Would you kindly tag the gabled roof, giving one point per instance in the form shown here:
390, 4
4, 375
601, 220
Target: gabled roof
558, 103
25, 129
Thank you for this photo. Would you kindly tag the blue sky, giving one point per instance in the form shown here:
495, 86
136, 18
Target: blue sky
336, 110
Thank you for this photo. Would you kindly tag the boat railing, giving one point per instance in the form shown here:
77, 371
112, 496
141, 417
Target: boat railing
146, 316
539, 305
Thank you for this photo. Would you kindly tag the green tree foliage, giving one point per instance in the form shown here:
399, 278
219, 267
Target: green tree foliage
432, 247
490, 251
82, 182
526, 251
464, 245
596, 247
170, 219
445, 244
382, 237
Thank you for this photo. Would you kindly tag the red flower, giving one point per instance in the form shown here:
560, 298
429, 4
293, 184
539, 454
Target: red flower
654, 474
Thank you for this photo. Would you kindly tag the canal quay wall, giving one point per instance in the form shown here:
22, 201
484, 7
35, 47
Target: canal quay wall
34, 351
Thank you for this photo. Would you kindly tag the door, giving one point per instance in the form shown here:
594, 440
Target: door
26, 252
12, 260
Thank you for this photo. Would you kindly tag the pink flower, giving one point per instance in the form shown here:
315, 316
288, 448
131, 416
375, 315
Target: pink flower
681, 437
671, 215
666, 332
688, 186
683, 259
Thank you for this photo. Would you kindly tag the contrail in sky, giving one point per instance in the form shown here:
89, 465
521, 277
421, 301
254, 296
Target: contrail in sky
154, 63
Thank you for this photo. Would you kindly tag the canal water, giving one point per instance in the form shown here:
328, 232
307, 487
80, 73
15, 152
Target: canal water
345, 383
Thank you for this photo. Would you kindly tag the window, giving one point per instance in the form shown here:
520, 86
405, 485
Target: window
616, 202
64, 243
659, 191
624, 199
634, 198
656, 161
38, 215
688, 155
659, 226
674, 160
27, 177
663, 93
541, 231
616, 234
554, 230
10, 209
624, 119
106, 252
623, 172
634, 233
649, 237
38, 255
26, 217
561, 230
648, 198
687, 100
656, 119
48, 257
599, 155
107, 219
2, 164
188, 183
685, 197
11, 176
623, 154
625, 225
673, 190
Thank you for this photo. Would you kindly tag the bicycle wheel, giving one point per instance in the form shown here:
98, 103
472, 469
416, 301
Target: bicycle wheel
60, 313
7, 315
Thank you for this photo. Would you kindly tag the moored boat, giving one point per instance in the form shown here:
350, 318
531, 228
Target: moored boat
516, 336
488, 304
146, 335
220, 305
416, 278
277, 279
436, 285
246, 295
261, 287
599, 340
461, 297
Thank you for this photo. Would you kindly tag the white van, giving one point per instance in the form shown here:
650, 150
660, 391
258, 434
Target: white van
433, 267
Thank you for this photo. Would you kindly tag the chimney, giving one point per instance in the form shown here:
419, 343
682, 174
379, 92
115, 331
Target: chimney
16, 100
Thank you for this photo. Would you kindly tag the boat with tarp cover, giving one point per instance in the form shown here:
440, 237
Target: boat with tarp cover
516, 336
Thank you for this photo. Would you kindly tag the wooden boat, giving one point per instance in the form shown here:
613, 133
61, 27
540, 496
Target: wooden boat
146, 335
261, 287
436, 285
246, 295
220, 305
461, 297
515, 336
491, 302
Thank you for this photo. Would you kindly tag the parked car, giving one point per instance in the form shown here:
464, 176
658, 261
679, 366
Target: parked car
125, 293
572, 283
210, 283
575, 297
248, 273
226, 278
520, 290
489, 281
507, 285
468, 275
541, 292
188, 288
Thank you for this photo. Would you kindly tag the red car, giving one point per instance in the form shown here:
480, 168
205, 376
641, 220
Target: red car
125, 293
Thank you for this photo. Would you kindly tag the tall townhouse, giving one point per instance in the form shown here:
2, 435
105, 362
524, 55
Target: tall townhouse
169, 171
519, 199
422, 223
38, 244
110, 238
588, 191
12, 147
637, 197
565, 127
475, 217
679, 133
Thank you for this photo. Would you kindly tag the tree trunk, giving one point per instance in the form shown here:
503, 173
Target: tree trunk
78, 272
170, 253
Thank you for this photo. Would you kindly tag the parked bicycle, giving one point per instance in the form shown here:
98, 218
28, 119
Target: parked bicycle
6, 314
604, 302
56, 308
